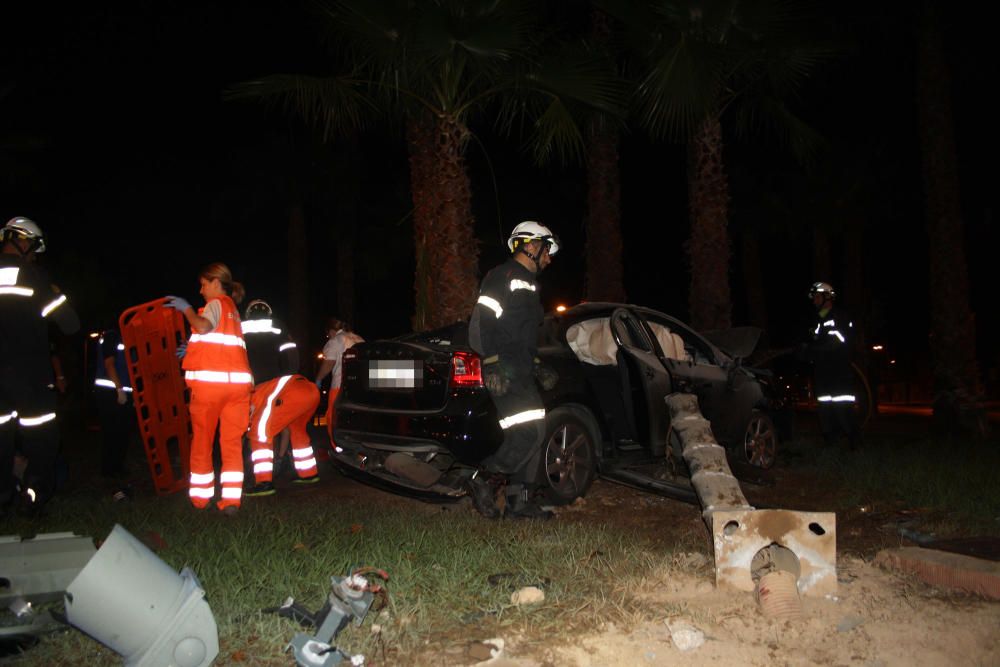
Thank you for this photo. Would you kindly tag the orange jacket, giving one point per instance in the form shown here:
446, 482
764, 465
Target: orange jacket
220, 356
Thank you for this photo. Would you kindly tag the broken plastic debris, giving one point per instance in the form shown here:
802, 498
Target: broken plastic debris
527, 595
685, 636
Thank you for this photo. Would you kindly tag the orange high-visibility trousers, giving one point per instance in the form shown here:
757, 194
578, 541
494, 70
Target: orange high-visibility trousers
226, 406
288, 401
331, 414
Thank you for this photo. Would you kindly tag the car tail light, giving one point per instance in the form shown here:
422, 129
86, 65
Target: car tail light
466, 370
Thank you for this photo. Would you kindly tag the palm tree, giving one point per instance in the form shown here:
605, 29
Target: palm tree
436, 65
740, 63
953, 339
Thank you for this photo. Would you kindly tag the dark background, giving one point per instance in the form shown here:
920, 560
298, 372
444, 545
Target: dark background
115, 138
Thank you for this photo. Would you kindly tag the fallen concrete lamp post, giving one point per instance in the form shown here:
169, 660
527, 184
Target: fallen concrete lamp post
775, 553
122, 595
138, 606
37, 571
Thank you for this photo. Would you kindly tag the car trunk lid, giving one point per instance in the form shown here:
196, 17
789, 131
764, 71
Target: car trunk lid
395, 375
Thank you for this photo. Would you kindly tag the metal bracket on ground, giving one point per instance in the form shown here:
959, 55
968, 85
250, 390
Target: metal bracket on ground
738, 535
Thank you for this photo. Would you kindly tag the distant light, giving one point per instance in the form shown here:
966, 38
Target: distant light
892, 361
560, 308
319, 356
96, 334
877, 348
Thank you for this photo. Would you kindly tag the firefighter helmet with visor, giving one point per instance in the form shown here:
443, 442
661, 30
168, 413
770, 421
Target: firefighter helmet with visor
822, 288
258, 309
530, 230
27, 229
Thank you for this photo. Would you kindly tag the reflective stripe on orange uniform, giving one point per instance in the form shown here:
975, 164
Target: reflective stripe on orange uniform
287, 401
218, 373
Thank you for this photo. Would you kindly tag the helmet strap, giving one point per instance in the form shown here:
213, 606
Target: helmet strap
523, 247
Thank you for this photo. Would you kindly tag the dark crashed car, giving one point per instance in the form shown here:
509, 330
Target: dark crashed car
413, 415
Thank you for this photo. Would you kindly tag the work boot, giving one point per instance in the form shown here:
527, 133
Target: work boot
520, 505
262, 489
483, 497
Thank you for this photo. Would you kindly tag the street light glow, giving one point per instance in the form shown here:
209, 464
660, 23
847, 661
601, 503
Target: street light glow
877, 348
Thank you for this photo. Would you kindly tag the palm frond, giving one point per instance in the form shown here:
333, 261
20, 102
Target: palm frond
334, 105
556, 135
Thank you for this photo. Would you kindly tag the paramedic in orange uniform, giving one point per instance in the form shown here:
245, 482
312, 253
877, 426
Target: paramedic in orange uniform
281, 398
218, 374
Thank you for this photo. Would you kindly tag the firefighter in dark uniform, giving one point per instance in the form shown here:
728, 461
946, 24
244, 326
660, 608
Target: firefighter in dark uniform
504, 329
281, 399
829, 350
28, 303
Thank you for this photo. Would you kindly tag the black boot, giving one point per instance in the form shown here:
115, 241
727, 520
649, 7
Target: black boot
483, 496
520, 505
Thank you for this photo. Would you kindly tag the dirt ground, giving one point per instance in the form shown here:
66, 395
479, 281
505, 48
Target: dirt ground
877, 617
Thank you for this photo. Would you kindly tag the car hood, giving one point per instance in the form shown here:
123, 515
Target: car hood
738, 342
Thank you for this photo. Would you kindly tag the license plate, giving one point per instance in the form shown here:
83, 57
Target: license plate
395, 374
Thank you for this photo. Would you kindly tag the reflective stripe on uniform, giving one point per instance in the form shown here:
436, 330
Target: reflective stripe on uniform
6, 418
232, 492
492, 304
521, 284
218, 339
840, 398
19, 291
286, 346
259, 326
522, 417
219, 377
836, 333
202, 478
8, 275
36, 421
52, 305
266, 415
231, 477
104, 382
200, 492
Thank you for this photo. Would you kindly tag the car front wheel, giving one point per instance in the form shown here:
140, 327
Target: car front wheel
569, 454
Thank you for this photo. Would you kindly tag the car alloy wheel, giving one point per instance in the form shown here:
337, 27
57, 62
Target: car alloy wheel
569, 454
760, 441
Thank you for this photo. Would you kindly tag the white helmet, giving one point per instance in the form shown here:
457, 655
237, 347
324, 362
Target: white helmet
26, 228
530, 230
822, 288
258, 309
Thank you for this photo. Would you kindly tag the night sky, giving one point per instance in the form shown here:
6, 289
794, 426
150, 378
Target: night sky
115, 138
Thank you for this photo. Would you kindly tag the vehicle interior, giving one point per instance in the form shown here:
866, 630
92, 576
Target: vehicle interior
619, 374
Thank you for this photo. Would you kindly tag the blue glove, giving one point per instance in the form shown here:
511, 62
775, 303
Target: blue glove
182, 350
177, 303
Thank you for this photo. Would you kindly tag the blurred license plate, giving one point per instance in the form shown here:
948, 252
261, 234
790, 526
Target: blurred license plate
395, 374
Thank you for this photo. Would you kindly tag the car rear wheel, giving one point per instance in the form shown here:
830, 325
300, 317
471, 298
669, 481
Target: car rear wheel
760, 441
569, 454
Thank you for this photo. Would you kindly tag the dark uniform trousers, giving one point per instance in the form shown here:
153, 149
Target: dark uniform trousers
522, 418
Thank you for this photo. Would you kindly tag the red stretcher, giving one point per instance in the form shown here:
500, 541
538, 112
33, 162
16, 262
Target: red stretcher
151, 334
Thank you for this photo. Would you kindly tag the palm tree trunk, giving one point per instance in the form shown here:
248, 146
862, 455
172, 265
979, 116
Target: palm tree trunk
604, 252
953, 341
298, 274
447, 254
709, 248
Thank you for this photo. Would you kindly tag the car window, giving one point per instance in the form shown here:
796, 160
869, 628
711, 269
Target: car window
630, 331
